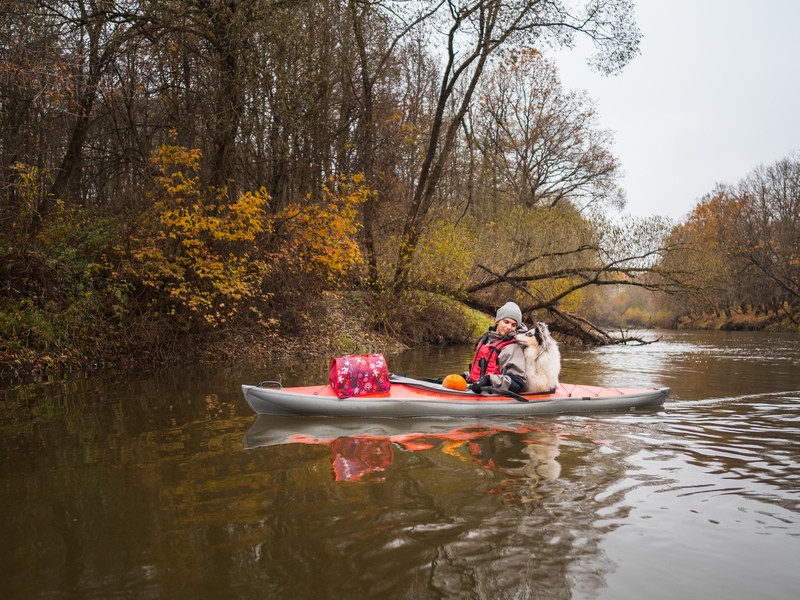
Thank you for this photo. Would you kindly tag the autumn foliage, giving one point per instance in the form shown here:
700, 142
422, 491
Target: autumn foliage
317, 239
209, 259
177, 178
741, 248
194, 260
195, 249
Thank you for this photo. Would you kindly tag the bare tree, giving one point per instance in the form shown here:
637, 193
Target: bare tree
470, 33
762, 223
540, 143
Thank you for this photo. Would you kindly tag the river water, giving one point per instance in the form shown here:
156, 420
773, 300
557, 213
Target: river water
163, 484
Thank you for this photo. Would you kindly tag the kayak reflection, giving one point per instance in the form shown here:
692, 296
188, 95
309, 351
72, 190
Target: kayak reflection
361, 447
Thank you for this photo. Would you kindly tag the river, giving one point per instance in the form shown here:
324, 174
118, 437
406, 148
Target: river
163, 484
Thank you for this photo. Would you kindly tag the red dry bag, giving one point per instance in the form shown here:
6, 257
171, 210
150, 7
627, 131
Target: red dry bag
359, 374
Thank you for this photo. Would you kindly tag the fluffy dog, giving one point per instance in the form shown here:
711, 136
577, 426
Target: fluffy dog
542, 359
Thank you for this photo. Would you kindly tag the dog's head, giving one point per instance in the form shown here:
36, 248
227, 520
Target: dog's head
537, 336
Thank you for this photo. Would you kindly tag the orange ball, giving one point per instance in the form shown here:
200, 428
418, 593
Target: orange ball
455, 382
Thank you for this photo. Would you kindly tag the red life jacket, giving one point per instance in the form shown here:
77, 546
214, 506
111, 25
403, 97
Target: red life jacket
486, 353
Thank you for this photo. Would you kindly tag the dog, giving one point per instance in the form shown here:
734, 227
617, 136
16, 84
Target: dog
542, 359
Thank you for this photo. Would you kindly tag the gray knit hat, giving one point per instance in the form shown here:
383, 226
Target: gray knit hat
509, 310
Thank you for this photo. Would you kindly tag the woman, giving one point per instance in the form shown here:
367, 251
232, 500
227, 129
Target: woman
499, 362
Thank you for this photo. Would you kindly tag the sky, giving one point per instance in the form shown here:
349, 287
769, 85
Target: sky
714, 93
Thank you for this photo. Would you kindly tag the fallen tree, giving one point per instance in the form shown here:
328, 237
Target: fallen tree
636, 263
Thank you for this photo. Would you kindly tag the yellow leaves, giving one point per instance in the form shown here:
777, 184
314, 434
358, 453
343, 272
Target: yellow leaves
207, 256
30, 186
445, 257
551, 288
170, 162
28, 174
248, 212
197, 245
320, 237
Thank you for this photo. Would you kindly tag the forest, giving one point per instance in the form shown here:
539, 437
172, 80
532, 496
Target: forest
193, 179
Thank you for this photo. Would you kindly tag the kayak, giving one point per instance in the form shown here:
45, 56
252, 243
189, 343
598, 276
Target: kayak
409, 397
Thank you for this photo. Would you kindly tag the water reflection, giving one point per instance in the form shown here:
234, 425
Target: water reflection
361, 447
139, 486
555, 507
692, 363
487, 509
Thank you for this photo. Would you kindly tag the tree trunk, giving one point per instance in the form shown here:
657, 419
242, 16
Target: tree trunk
74, 153
88, 93
228, 103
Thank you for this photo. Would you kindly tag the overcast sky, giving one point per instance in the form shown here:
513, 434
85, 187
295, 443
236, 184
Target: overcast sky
714, 94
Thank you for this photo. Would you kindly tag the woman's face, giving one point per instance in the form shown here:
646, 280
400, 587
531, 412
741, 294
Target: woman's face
506, 326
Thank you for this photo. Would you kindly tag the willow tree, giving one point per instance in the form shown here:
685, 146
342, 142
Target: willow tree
544, 172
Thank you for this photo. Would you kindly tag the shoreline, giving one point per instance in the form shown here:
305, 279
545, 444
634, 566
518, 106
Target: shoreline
339, 327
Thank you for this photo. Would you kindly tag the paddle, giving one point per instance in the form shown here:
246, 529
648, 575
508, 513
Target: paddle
519, 398
511, 394
507, 393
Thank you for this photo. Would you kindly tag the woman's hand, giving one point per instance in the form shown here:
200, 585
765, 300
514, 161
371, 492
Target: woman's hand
483, 383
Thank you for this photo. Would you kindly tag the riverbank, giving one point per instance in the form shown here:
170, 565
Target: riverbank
741, 321
332, 324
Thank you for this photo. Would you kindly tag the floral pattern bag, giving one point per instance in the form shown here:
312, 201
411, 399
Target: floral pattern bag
359, 374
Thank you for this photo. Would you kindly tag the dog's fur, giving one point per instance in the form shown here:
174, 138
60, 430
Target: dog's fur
542, 359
